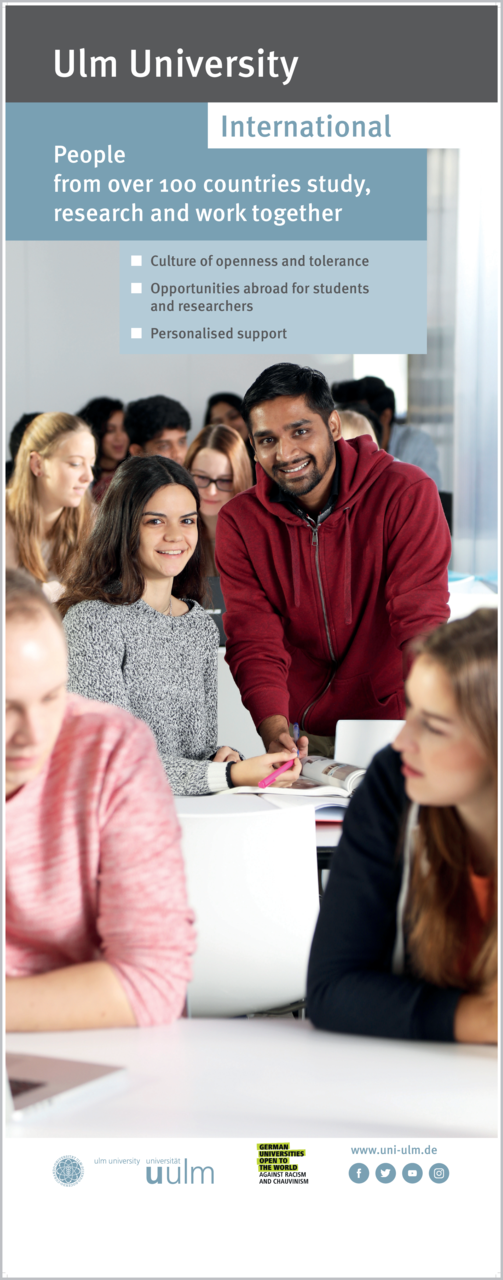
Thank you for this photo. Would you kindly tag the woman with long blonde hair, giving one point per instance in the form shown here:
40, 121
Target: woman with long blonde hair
49, 511
406, 942
218, 461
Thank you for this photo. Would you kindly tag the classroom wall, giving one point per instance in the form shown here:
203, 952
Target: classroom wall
62, 339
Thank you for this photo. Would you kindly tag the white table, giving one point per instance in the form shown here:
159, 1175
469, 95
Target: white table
241, 1078
252, 880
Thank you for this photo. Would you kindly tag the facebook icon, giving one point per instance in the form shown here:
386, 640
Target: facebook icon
358, 1173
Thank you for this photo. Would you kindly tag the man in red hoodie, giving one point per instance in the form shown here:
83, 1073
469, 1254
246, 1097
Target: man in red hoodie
329, 566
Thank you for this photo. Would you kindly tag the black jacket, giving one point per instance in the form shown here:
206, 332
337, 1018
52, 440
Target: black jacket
350, 984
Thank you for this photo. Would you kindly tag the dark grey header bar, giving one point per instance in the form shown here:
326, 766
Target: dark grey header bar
263, 53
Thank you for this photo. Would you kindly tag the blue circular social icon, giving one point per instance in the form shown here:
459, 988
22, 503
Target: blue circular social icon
385, 1173
68, 1171
412, 1173
358, 1173
439, 1172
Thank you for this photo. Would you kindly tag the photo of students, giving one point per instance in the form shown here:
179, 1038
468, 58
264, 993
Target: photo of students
106, 419
226, 407
49, 509
329, 567
99, 933
138, 636
406, 941
219, 463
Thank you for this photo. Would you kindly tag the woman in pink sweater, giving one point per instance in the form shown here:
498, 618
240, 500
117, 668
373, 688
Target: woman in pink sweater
99, 933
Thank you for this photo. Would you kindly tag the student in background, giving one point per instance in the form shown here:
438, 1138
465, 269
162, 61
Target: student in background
219, 463
137, 635
404, 442
106, 419
406, 941
329, 566
157, 425
49, 510
227, 408
99, 933
355, 424
15, 439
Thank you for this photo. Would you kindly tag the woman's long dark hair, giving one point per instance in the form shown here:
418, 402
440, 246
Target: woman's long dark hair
97, 413
109, 568
222, 397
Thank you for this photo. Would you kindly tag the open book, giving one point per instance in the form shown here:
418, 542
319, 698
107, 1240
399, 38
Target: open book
343, 778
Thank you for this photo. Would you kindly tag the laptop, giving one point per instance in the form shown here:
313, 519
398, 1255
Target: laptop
34, 1083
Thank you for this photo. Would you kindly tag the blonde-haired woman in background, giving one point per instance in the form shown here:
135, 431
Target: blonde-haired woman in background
406, 941
219, 463
49, 510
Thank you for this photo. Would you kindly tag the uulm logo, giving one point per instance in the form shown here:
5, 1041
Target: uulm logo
68, 1171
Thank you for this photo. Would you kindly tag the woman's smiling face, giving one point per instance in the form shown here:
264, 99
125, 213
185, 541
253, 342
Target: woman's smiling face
443, 761
168, 532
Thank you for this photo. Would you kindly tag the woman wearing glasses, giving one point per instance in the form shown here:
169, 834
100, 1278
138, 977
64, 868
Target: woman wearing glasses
137, 635
219, 463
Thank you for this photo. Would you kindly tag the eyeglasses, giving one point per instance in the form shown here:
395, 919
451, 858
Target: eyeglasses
204, 482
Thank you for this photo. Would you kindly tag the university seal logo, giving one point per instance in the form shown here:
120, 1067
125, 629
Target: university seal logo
68, 1171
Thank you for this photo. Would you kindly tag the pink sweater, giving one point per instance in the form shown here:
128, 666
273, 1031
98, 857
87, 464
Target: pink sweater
94, 867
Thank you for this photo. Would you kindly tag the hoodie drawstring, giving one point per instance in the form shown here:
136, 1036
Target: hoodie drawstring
296, 567
348, 607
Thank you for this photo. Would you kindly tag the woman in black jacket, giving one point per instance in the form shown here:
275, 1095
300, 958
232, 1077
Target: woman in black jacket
406, 941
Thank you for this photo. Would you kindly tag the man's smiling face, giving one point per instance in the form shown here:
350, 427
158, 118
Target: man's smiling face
294, 444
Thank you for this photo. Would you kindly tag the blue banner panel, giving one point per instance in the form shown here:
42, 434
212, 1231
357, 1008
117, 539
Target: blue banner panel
111, 171
272, 296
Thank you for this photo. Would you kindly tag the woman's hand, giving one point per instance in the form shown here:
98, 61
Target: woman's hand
248, 773
226, 754
476, 1018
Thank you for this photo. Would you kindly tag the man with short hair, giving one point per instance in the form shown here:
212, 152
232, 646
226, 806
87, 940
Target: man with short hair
158, 425
98, 933
329, 567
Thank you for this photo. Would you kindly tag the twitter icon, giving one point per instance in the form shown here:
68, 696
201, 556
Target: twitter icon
385, 1173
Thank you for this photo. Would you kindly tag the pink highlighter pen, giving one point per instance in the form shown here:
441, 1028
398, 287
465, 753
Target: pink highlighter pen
266, 782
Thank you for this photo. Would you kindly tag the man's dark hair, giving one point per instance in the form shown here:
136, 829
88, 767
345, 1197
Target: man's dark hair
360, 392
145, 419
222, 397
289, 380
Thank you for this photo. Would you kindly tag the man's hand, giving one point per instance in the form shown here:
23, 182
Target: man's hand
276, 736
226, 754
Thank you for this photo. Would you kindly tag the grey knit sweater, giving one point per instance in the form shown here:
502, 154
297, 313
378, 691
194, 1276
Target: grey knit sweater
163, 670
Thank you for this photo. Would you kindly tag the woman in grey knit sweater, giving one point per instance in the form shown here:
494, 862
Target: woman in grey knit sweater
135, 643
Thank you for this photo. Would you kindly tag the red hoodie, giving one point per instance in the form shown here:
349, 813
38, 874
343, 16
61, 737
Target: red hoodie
316, 619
